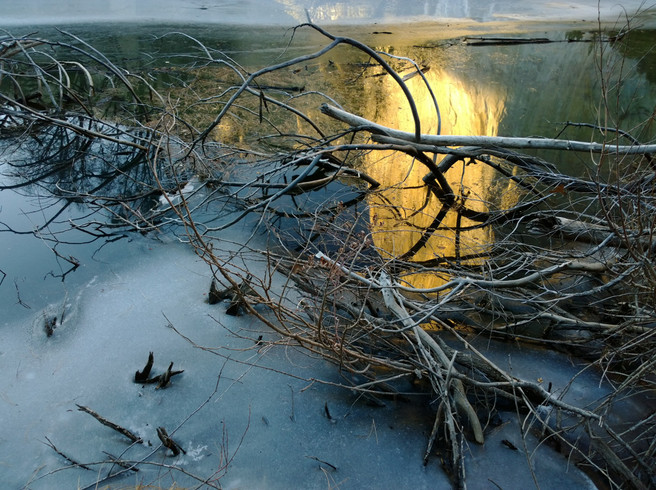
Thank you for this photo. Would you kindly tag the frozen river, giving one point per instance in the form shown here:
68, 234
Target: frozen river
248, 409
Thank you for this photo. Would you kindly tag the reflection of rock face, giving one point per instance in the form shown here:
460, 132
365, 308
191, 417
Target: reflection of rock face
375, 10
401, 211
515, 90
371, 11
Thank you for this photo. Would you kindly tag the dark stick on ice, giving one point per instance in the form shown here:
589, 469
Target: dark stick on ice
20, 301
109, 424
142, 376
159, 379
495, 484
165, 378
66, 456
216, 295
325, 409
49, 325
292, 417
235, 294
168, 442
509, 444
332, 466
234, 309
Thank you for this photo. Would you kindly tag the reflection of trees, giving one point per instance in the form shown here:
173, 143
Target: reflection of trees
97, 175
639, 50
75, 169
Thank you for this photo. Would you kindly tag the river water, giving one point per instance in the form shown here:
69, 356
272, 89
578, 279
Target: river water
481, 89
492, 89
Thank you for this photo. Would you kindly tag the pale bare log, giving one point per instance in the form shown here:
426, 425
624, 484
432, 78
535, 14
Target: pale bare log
486, 141
392, 302
576, 265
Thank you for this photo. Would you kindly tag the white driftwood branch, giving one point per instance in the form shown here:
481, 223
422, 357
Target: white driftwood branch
390, 296
486, 141
576, 265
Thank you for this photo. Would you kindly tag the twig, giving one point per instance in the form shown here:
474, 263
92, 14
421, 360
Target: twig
332, 466
66, 457
121, 463
111, 425
292, 415
165, 378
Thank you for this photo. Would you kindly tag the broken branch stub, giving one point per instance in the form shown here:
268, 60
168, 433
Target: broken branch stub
168, 442
142, 376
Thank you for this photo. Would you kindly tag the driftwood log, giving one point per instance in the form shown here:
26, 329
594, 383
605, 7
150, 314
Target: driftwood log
484, 141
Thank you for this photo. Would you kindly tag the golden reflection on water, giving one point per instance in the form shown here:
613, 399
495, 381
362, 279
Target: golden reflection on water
403, 209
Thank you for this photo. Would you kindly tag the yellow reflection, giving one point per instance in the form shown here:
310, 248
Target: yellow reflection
401, 212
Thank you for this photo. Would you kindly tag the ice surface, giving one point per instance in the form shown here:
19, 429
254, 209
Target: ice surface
260, 429
271, 427
118, 319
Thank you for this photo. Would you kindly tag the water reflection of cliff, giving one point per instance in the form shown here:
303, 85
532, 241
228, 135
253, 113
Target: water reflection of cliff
375, 10
403, 210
